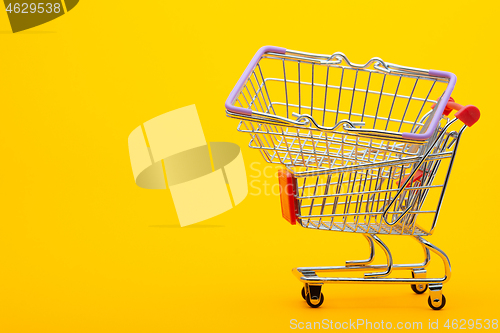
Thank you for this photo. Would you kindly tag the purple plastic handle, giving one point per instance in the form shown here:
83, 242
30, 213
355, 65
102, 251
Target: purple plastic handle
439, 111
246, 74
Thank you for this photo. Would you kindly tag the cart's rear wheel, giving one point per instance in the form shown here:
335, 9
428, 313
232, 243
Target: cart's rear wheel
321, 299
443, 303
419, 288
303, 293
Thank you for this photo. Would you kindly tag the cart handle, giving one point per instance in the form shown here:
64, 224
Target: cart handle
468, 114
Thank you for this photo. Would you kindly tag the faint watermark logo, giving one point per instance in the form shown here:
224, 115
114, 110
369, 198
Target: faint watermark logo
205, 179
264, 179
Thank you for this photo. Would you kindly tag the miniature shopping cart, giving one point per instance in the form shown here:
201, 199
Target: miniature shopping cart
367, 149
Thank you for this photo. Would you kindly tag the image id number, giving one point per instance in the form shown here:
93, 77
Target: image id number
33, 8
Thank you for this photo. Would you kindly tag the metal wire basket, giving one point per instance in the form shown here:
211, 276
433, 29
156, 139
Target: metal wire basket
323, 111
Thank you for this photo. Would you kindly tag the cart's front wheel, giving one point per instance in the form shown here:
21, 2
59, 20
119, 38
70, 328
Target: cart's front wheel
318, 304
303, 293
419, 288
443, 303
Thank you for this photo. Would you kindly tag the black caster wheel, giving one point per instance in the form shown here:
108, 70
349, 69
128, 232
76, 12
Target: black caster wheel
443, 303
419, 288
303, 293
321, 299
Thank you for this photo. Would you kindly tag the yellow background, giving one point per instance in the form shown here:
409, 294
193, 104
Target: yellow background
83, 249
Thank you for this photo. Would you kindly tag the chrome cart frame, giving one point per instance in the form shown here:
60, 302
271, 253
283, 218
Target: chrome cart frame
367, 149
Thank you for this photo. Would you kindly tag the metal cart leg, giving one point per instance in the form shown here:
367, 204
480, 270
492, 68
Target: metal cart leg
388, 256
365, 261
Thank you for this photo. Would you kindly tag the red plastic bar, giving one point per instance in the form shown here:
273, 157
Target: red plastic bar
287, 195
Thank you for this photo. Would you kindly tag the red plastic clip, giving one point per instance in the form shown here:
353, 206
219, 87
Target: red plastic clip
416, 177
448, 108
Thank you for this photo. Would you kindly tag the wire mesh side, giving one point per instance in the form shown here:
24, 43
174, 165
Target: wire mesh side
299, 147
355, 200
